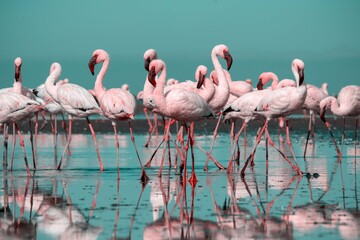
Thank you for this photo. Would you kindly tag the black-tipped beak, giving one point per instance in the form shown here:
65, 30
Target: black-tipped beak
322, 114
201, 80
301, 76
228, 59
17, 72
147, 64
91, 64
151, 76
260, 85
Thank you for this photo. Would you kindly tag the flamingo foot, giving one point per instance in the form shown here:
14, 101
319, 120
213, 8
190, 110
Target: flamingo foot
144, 177
101, 168
193, 180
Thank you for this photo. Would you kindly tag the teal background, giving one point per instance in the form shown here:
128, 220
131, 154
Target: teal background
261, 35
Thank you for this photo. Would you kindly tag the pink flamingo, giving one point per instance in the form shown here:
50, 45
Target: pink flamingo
76, 101
179, 104
312, 103
346, 104
18, 88
281, 103
222, 90
117, 104
13, 108
147, 94
53, 108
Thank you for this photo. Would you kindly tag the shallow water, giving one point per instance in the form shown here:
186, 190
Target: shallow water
81, 202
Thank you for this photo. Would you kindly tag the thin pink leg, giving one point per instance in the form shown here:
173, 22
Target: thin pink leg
32, 144
251, 156
144, 178
166, 139
67, 143
36, 129
95, 143
5, 153
13, 147
308, 135
232, 152
212, 145
271, 143
21, 142
193, 180
117, 146
288, 141
327, 124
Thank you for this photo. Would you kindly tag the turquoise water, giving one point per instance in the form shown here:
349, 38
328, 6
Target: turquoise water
82, 202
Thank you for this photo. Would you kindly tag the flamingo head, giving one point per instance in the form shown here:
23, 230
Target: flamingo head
201, 74
151, 75
223, 51
298, 66
149, 55
99, 55
18, 63
214, 77
228, 59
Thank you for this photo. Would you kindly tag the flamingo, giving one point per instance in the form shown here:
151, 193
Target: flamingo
346, 104
117, 104
13, 108
76, 101
53, 108
222, 90
312, 103
179, 104
281, 103
147, 93
18, 88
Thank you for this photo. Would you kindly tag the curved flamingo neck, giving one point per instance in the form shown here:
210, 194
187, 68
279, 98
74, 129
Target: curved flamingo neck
50, 83
148, 91
159, 97
207, 93
275, 80
222, 92
335, 106
99, 87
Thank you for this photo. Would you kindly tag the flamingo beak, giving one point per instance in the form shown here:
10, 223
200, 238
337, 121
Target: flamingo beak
91, 64
301, 76
147, 64
17, 72
260, 85
228, 59
322, 114
131, 116
151, 76
201, 80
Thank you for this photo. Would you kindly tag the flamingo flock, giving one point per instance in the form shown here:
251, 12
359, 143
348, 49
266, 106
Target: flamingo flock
216, 96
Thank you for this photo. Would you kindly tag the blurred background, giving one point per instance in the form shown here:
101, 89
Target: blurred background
261, 35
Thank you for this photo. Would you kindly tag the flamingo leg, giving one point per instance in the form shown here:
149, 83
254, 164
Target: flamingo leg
13, 147
36, 129
166, 139
288, 140
117, 146
193, 180
67, 143
64, 126
343, 133
251, 156
5, 153
22, 145
148, 163
95, 143
307, 137
212, 143
144, 178
236, 139
271, 143
327, 124
32, 144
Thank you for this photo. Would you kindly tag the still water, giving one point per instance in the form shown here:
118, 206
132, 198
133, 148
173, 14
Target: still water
80, 202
